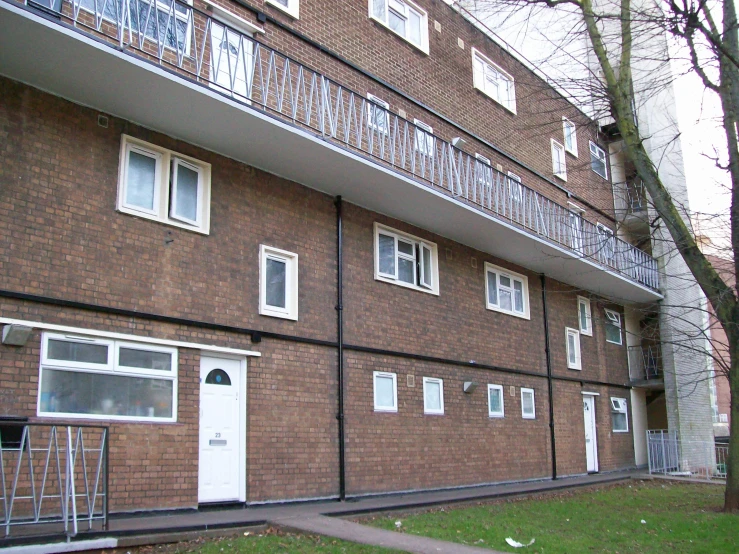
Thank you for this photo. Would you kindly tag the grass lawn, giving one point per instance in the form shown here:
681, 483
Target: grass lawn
261, 542
679, 518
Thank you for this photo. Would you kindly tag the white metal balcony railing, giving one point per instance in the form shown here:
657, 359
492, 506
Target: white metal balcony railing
53, 477
668, 454
645, 362
202, 48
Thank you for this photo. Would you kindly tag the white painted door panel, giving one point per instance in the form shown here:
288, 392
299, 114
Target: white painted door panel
220, 430
591, 439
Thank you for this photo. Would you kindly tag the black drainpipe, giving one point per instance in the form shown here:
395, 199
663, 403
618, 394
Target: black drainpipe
340, 341
549, 373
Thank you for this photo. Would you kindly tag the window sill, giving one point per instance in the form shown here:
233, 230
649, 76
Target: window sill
169, 222
620, 432
424, 49
507, 108
615, 343
386, 411
281, 315
586, 333
97, 419
561, 177
574, 368
434, 413
406, 285
526, 316
571, 153
496, 416
530, 418
295, 14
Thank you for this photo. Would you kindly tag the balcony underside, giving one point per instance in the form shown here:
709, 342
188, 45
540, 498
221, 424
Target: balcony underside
70, 64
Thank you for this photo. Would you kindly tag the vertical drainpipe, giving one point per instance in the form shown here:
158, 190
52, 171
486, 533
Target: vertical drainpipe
340, 342
549, 373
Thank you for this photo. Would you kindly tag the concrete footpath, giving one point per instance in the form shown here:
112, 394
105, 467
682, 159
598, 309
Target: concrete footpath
323, 518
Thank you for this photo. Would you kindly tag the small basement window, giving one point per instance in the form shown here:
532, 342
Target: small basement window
278, 283
405, 260
386, 391
619, 415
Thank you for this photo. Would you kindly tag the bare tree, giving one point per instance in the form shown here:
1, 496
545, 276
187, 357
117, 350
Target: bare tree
617, 31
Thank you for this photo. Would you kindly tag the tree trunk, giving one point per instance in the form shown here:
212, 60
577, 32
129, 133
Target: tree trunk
731, 496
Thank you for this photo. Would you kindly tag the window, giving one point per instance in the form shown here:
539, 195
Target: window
584, 316
528, 406
232, 56
86, 377
573, 348
606, 243
404, 18
598, 160
386, 391
483, 173
493, 81
165, 186
169, 27
433, 396
613, 327
378, 117
495, 401
506, 291
575, 230
278, 283
424, 138
516, 189
559, 165
405, 260
570, 136
290, 7
619, 416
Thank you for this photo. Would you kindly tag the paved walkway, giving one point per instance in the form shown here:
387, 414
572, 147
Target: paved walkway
324, 517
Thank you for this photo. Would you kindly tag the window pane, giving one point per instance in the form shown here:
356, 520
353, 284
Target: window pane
495, 400
613, 333
528, 403
505, 299
433, 396
414, 27
619, 422
384, 395
518, 295
405, 247
387, 254
406, 270
571, 348
140, 184
492, 288
505, 281
426, 261
77, 352
583, 317
396, 23
187, 193
378, 9
276, 282
90, 393
130, 357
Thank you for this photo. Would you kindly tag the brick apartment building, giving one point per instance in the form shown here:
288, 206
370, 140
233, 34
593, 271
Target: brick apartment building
300, 249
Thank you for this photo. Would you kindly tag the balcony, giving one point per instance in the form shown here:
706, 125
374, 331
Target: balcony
634, 209
186, 73
645, 366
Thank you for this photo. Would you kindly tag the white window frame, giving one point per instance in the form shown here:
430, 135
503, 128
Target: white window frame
290, 259
516, 187
559, 169
586, 329
385, 375
405, 6
483, 171
292, 9
513, 276
111, 367
165, 185
619, 406
532, 414
501, 413
614, 318
424, 141
597, 152
606, 238
575, 334
426, 409
373, 102
420, 248
484, 71
566, 123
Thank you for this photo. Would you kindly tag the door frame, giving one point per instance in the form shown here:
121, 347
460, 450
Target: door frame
591, 396
242, 415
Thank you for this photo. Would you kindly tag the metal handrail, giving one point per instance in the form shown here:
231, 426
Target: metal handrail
63, 469
199, 46
645, 362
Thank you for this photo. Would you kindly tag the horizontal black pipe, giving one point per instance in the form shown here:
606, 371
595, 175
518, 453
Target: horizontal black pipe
48, 300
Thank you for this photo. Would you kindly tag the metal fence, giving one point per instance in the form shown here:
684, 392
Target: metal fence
200, 47
53, 477
645, 362
670, 455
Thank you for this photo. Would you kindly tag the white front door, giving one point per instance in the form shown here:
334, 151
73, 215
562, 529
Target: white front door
591, 439
221, 430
